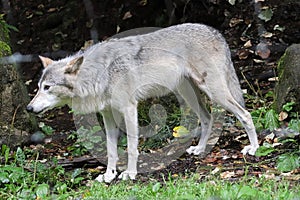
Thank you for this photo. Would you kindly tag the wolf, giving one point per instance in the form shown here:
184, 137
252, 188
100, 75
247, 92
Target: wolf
113, 76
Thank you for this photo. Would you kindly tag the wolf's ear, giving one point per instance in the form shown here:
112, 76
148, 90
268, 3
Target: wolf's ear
46, 61
74, 65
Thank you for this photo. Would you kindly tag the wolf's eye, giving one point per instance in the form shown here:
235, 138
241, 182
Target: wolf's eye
46, 87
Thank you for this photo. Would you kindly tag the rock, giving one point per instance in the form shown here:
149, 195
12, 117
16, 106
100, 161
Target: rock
288, 87
37, 137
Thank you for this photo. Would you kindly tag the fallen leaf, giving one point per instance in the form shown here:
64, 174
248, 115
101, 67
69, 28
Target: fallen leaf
279, 28
180, 131
268, 176
273, 79
243, 54
266, 14
235, 21
118, 29
143, 2
232, 2
240, 172
28, 82
216, 170
51, 10
127, 15
258, 61
282, 116
226, 157
248, 44
227, 174
209, 160
267, 35
276, 144
269, 138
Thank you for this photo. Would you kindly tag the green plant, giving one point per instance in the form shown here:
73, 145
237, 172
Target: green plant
4, 36
87, 140
30, 179
5, 153
264, 118
48, 130
268, 118
290, 154
288, 161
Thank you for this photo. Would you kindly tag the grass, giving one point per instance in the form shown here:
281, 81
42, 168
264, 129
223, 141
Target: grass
55, 183
23, 175
192, 188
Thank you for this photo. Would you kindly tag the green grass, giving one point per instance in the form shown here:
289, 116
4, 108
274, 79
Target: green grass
55, 183
24, 176
193, 188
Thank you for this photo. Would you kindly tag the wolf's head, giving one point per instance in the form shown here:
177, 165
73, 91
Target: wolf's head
56, 84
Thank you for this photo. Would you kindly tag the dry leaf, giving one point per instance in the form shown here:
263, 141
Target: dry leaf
267, 35
240, 172
51, 10
216, 170
248, 44
234, 21
273, 79
143, 2
209, 160
227, 174
232, 2
127, 15
269, 138
282, 116
258, 61
28, 82
243, 54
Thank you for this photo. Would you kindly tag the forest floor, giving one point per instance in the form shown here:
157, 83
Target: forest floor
60, 27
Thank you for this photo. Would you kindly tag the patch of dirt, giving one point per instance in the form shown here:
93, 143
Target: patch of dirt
58, 28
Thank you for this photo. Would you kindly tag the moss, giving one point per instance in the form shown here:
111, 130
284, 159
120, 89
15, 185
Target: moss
281, 64
4, 37
4, 49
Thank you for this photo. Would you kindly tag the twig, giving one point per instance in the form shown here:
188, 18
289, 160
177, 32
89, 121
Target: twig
14, 117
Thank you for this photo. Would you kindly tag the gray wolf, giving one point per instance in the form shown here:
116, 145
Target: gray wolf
112, 76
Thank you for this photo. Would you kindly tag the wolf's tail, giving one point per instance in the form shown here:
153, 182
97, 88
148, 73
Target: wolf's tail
234, 86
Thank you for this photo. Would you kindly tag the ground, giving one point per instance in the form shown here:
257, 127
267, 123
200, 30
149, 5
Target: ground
60, 27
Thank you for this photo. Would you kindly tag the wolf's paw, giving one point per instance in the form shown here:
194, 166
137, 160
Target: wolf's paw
250, 149
107, 177
196, 150
127, 175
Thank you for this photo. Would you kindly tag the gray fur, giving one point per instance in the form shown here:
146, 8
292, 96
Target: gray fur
116, 74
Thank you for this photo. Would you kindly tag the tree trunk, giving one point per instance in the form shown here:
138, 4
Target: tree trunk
288, 87
15, 122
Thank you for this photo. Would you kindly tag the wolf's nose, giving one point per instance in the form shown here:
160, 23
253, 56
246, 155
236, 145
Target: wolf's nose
29, 108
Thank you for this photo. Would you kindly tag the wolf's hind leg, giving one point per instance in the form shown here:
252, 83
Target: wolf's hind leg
200, 148
230, 104
112, 134
195, 99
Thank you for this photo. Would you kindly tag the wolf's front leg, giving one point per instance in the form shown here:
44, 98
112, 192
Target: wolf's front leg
131, 122
112, 133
